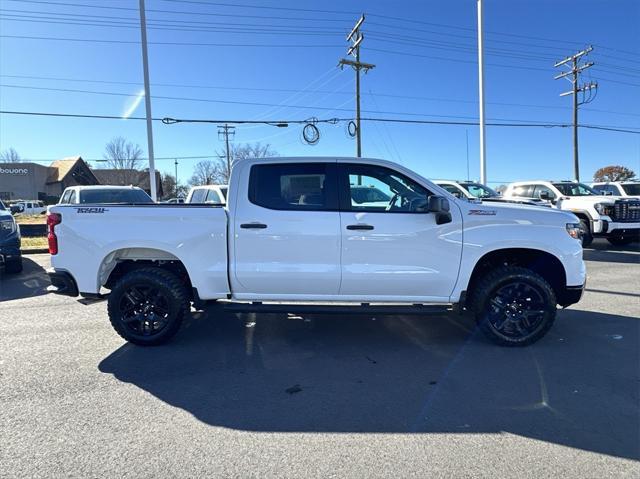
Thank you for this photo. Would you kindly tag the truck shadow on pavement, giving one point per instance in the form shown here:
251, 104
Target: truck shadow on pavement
601, 250
577, 387
33, 281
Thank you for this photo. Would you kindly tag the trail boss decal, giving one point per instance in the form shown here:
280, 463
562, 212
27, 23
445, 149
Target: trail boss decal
91, 210
482, 212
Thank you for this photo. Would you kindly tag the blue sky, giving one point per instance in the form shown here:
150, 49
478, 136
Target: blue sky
424, 54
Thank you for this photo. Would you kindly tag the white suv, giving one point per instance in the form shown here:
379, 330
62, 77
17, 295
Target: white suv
613, 217
618, 188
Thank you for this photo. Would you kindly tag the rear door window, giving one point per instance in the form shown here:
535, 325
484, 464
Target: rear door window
294, 186
524, 191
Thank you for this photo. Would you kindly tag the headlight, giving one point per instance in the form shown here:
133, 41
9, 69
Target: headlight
7, 225
603, 208
575, 230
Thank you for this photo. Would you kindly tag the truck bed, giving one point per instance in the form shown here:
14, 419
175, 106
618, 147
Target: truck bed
96, 237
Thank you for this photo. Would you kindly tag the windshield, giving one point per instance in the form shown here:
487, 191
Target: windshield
632, 189
2, 206
575, 189
115, 196
479, 191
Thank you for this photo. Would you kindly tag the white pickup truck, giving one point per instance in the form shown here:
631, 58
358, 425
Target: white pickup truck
291, 238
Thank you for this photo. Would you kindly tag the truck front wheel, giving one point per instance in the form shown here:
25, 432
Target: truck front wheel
147, 306
587, 235
514, 306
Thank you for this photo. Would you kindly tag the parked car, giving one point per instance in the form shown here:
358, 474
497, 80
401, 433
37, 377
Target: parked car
473, 191
612, 217
174, 201
618, 188
32, 207
101, 194
212, 194
269, 250
10, 256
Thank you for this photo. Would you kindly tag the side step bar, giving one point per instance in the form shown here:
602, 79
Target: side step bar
365, 308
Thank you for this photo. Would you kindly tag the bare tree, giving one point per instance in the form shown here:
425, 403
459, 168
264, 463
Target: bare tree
126, 156
10, 156
239, 153
204, 173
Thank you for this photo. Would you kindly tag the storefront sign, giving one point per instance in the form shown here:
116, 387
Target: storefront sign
14, 171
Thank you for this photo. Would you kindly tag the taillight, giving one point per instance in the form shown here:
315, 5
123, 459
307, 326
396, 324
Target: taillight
53, 219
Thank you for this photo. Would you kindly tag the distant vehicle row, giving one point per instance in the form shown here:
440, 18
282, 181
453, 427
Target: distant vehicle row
616, 218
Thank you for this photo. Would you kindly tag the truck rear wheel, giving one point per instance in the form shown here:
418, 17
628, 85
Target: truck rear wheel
147, 306
514, 306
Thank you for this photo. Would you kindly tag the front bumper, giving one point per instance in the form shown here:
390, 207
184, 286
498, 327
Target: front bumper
606, 227
570, 295
9, 252
62, 283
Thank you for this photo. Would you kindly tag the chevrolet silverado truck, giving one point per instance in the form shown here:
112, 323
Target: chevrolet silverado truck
612, 217
291, 238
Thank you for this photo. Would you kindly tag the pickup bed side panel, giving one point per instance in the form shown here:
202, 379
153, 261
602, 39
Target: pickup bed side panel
91, 237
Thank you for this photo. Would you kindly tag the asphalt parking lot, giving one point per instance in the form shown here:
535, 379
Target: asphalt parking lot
321, 396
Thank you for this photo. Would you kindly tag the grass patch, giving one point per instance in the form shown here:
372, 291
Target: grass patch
34, 243
31, 219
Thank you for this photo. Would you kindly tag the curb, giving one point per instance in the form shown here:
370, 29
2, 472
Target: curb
34, 251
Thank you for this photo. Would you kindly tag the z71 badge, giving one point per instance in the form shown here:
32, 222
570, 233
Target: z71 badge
482, 212
91, 210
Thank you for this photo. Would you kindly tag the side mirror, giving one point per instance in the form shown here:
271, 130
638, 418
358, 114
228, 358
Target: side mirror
544, 195
439, 206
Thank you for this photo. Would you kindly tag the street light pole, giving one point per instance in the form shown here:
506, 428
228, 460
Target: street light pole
483, 165
147, 102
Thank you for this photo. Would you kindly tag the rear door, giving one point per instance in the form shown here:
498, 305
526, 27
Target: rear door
287, 231
395, 251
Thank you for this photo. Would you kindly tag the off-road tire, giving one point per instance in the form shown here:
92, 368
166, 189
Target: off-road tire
587, 236
14, 266
484, 293
175, 301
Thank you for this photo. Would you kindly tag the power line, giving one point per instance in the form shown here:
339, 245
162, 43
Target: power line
283, 123
202, 44
306, 90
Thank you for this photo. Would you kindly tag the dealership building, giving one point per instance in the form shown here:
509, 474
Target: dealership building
31, 181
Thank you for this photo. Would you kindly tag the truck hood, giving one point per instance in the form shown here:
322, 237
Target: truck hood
499, 212
5, 214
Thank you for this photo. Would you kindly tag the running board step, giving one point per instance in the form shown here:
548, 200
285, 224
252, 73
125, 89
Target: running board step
419, 309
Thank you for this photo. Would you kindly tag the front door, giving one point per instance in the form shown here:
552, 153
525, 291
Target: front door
392, 248
287, 232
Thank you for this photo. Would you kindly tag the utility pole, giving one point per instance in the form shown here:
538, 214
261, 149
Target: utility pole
587, 90
483, 148
356, 37
225, 131
147, 102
